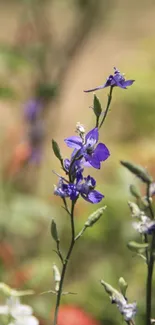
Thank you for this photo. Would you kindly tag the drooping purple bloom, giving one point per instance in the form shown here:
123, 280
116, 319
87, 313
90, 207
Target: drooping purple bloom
116, 80
93, 154
32, 110
84, 188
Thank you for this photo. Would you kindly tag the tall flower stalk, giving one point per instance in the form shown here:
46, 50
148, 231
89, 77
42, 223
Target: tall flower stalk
86, 152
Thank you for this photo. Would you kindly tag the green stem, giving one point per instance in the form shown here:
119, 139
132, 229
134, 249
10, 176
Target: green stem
149, 282
146, 251
107, 108
150, 266
80, 233
65, 263
72, 162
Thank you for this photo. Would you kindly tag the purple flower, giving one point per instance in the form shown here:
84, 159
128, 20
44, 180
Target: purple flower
76, 168
86, 189
66, 190
114, 80
88, 192
32, 110
93, 154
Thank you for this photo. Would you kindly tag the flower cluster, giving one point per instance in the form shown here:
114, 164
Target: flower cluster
86, 152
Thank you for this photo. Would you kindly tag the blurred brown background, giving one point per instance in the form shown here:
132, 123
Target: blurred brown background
50, 51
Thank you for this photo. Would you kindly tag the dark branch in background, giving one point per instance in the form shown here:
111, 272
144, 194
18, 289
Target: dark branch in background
91, 12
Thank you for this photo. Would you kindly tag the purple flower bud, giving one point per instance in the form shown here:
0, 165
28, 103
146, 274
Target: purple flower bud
92, 154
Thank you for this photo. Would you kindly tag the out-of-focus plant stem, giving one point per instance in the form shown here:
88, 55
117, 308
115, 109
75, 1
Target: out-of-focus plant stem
150, 266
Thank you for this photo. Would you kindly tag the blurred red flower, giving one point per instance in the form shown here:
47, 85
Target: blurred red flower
21, 276
7, 254
72, 315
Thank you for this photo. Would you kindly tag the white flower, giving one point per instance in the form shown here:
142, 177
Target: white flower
144, 226
22, 314
127, 310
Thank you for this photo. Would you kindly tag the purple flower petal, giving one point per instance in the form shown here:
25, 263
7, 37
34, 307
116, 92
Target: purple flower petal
93, 161
93, 197
93, 134
101, 152
94, 89
128, 83
74, 142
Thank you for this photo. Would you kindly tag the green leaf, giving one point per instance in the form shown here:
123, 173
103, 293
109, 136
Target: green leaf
56, 150
135, 191
94, 217
97, 106
54, 232
137, 170
137, 247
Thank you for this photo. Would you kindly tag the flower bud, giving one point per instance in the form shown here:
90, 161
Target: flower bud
135, 191
56, 150
97, 106
94, 217
57, 277
54, 232
123, 286
138, 171
137, 247
135, 211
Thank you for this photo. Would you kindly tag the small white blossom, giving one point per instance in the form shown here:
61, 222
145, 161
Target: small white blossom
81, 131
144, 226
22, 314
127, 310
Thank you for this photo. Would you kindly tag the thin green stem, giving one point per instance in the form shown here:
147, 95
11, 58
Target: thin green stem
150, 266
59, 251
65, 263
146, 251
149, 282
107, 108
80, 233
